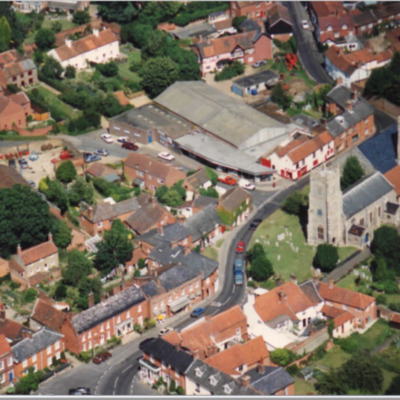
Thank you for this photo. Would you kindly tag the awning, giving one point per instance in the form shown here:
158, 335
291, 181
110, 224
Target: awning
149, 365
160, 317
179, 304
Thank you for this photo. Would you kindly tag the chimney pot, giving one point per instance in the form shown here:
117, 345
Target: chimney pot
50, 237
330, 283
91, 299
96, 32
245, 380
260, 368
19, 250
68, 42
349, 105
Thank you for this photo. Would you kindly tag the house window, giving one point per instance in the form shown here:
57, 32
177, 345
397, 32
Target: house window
34, 358
100, 224
48, 350
140, 308
9, 361
128, 314
1, 365
159, 180
140, 173
3, 378
367, 132
83, 337
362, 221
319, 213
118, 319
238, 332
102, 328
320, 230
177, 373
190, 288
24, 363
354, 138
108, 324
49, 361
379, 211
313, 155
57, 345
150, 177
89, 334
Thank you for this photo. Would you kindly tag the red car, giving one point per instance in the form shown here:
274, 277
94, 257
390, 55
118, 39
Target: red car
227, 179
240, 247
102, 357
130, 146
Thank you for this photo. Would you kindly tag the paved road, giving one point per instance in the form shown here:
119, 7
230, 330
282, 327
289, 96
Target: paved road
307, 50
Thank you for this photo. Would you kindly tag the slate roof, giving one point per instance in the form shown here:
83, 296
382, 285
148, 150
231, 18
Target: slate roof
202, 373
170, 233
10, 176
271, 381
224, 116
198, 179
254, 79
199, 263
176, 276
106, 309
164, 351
361, 110
150, 289
203, 222
305, 120
204, 201
361, 195
380, 149
311, 291
194, 30
41, 339
339, 95
164, 254
104, 211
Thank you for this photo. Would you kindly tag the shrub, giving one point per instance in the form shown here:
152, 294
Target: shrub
138, 328
230, 71
85, 356
282, 357
293, 370
326, 257
30, 295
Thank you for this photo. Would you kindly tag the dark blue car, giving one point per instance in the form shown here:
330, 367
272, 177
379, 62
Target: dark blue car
197, 312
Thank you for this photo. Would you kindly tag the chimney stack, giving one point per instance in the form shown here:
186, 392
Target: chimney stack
315, 278
91, 299
68, 42
26, 334
261, 368
161, 230
196, 354
2, 313
19, 250
293, 278
330, 283
50, 237
354, 95
245, 381
349, 105
96, 32
282, 296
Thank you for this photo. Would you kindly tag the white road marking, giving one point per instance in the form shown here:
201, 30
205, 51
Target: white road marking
126, 369
115, 384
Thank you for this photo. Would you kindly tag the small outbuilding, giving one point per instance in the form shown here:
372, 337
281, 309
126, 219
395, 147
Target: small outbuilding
255, 83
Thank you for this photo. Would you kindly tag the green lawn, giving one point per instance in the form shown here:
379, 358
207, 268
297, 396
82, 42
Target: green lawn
290, 262
334, 358
66, 24
210, 252
124, 70
302, 387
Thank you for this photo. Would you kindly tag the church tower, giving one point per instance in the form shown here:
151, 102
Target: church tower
325, 212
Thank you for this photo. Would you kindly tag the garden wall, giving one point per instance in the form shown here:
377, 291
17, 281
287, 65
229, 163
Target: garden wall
35, 132
311, 343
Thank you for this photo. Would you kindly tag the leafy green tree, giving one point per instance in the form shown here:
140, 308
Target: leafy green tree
326, 257
81, 191
329, 384
379, 269
386, 243
109, 69
294, 203
81, 17
256, 251
212, 175
18, 32
116, 248
178, 186
394, 387
210, 192
136, 33
141, 263
172, 198
27, 383
78, 266
62, 235
52, 69
25, 219
30, 295
120, 12
352, 172
5, 34
237, 21
70, 72
155, 46
280, 96
158, 73
282, 357
45, 39
261, 268
56, 26
66, 172
161, 191
61, 292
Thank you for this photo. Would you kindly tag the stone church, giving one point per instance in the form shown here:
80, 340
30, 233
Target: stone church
348, 218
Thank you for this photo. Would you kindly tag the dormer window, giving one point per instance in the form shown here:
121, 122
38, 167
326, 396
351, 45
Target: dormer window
200, 371
214, 379
344, 26
228, 387
329, 28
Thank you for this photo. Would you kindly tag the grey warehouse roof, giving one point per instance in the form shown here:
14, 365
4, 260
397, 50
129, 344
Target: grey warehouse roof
40, 340
260, 77
218, 152
106, 309
365, 193
222, 115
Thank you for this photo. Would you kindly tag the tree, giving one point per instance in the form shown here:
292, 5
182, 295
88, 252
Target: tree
25, 219
210, 192
120, 12
81, 17
66, 172
394, 387
78, 266
294, 202
81, 191
256, 251
62, 235
212, 175
261, 268
56, 26
161, 191
282, 357
178, 186
280, 96
237, 21
92, 117
18, 32
116, 248
70, 72
326, 257
109, 69
352, 172
386, 243
157, 74
136, 33
45, 39
379, 269
61, 292
156, 45
5, 34
172, 198
52, 69
329, 384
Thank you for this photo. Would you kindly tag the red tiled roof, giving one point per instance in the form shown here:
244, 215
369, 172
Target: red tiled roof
274, 304
395, 318
99, 169
10, 176
393, 176
38, 252
11, 329
325, 8
48, 316
338, 59
347, 297
120, 96
5, 347
250, 353
86, 44
339, 316
337, 23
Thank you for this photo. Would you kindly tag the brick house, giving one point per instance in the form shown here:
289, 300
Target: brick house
250, 9
114, 316
335, 27
12, 330
13, 110
278, 23
246, 47
150, 172
302, 155
213, 334
100, 47
100, 170
363, 307
151, 215
6, 362
17, 70
163, 360
237, 203
97, 219
31, 266
354, 118
37, 350
343, 320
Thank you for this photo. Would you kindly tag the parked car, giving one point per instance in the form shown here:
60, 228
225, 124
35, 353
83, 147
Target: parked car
197, 312
166, 156
101, 152
92, 158
240, 247
245, 184
12, 163
122, 139
227, 179
80, 391
259, 64
101, 357
130, 146
107, 137
23, 163
304, 24
164, 331
35, 156
255, 223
